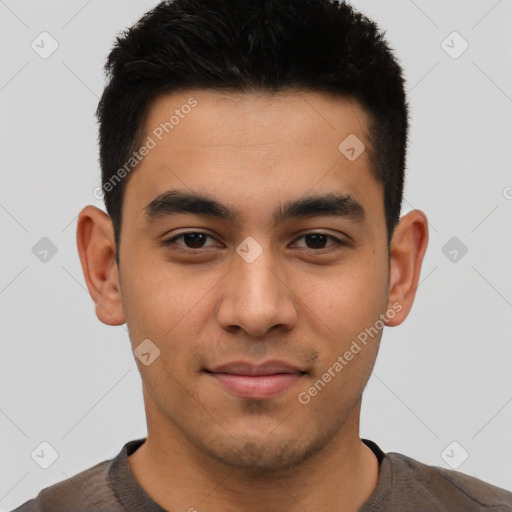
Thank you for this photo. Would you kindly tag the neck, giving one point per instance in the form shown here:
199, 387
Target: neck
179, 476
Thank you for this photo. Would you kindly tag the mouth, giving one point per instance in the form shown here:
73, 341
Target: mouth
261, 381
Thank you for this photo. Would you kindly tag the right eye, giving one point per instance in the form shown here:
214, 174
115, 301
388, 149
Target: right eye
192, 240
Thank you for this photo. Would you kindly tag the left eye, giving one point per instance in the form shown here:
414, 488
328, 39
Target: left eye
195, 240
320, 239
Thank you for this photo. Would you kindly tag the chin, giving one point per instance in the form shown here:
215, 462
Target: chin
264, 453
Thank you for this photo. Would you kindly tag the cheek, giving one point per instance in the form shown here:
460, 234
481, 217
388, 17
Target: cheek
348, 329
170, 305
348, 347
348, 298
152, 302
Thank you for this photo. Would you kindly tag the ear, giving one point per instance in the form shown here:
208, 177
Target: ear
96, 247
408, 246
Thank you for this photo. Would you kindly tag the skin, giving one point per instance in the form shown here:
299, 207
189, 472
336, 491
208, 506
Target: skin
298, 302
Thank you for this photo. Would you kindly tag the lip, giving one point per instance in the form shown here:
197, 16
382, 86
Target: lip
256, 381
270, 367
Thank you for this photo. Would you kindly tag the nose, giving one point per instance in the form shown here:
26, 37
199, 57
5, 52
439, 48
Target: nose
257, 297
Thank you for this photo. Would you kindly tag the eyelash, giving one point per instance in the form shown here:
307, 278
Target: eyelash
170, 241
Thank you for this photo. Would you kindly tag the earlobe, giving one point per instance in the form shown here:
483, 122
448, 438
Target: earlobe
408, 247
96, 248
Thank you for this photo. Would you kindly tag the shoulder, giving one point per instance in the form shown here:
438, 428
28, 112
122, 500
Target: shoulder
451, 490
85, 491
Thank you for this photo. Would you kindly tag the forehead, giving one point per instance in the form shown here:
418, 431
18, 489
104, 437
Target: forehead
255, 118
254, 150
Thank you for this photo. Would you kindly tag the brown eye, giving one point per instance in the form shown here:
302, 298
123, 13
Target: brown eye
317, 241
191, 240
195, 240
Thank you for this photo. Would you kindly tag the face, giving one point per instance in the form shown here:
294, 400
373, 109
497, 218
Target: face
247, 280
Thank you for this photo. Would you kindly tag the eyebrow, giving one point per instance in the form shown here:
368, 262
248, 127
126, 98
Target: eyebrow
310, 206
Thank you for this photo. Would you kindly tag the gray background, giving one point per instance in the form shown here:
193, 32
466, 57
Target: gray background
442, 376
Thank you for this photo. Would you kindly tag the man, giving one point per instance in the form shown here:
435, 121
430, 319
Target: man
253, 157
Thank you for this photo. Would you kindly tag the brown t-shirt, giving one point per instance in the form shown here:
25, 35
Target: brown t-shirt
404, 485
